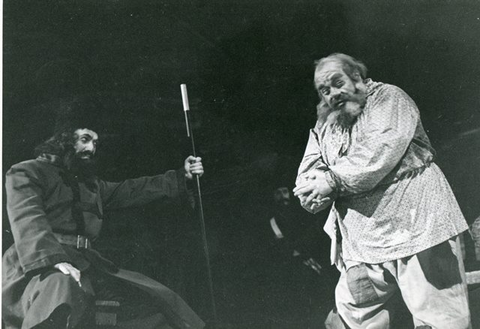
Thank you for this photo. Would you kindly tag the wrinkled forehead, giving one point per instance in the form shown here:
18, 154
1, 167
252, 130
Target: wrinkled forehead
328, 72
86, 132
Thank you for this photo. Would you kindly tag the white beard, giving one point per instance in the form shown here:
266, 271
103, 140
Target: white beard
347, 115
353, 109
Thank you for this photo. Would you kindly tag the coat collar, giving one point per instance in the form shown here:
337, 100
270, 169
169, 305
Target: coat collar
372, 86
51, 158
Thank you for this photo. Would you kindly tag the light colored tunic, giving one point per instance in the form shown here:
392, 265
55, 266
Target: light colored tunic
392, 200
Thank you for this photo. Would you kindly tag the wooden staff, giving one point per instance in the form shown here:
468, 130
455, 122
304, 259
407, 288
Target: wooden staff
186, 110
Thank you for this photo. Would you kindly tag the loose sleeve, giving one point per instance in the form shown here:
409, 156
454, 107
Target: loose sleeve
386, 132
312, 158
140, 191
34, 241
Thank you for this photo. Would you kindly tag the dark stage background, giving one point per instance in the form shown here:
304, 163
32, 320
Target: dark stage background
248, 66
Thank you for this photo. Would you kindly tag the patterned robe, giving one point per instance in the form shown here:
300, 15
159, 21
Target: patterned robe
392, 199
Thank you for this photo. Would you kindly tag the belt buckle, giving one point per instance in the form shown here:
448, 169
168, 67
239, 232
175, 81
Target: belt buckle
82, 242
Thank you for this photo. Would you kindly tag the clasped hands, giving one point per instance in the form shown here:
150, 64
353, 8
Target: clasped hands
313, 191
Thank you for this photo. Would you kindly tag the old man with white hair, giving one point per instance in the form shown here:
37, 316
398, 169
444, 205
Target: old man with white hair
394, 220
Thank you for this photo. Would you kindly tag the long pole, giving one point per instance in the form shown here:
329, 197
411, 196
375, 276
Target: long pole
186, 110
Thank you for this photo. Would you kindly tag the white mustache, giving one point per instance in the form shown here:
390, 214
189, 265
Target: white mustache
344, 98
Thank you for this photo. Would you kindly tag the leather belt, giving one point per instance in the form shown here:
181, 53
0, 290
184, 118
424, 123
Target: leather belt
78, 241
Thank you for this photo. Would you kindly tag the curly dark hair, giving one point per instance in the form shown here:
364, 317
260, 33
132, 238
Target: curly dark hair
71, 114
59, 144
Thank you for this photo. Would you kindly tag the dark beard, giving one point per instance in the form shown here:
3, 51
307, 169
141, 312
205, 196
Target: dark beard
85, 169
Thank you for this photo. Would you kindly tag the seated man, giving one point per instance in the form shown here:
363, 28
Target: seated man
55, 205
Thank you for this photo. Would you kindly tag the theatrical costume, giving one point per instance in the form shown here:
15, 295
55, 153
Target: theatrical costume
394, 216
48, 209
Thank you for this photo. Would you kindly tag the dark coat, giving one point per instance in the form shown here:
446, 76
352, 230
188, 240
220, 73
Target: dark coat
40, 201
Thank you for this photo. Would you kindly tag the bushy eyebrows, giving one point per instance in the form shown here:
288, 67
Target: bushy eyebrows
331, 78
87, 136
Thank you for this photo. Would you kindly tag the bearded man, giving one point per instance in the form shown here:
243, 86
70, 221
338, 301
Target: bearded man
55, 205
394, 219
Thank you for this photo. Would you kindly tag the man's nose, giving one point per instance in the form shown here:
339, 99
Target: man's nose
90, 147
335, 93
